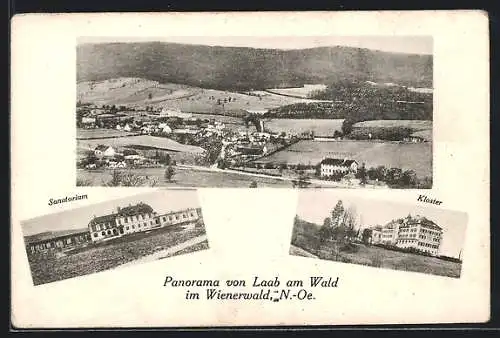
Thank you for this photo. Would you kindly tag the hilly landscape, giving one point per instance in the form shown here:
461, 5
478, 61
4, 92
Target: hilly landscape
240, 68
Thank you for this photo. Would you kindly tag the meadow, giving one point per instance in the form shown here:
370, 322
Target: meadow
320, 127
302, 92
101, 133
414, 156
107, 255
140, 140
137, 93
413, 124
378, 257
185, 177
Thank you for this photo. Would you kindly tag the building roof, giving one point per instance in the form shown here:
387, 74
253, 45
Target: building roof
103, 219
51, 235
102, 147
140, 208
337, 161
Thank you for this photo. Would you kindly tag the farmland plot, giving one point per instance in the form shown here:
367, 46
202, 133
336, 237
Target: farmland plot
142, 141
414, 156
320, 127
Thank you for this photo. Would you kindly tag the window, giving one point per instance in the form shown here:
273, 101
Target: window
126, 220
96, 234
151, 222
68, 241
133, 226
164, 219
103, 233
192, 214
170, 218
176, 216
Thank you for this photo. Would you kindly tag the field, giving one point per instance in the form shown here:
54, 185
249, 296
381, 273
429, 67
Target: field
140, 140
302, 92
185, 177
107, 255
139, 93
101, 133
396, 260
414, 156
320, 127
413, 124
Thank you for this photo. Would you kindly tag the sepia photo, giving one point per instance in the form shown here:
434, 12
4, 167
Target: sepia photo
113, 234
297, 111
379, 234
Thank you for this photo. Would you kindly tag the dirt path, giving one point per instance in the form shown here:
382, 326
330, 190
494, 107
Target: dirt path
161, 254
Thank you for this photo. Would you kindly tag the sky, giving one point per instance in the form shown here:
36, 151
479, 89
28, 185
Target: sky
396, 44
316, 207
160, 201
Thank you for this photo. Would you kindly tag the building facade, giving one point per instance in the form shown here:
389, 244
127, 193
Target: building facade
124, 221
332, 166
62, 240
138, 218
412, 232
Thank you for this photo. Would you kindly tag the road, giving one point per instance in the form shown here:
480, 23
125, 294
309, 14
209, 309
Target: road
322, 183
163, 253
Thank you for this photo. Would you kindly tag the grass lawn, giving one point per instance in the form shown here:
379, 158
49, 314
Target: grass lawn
193, 248
107, 255
415, 156
185, 177
379, 257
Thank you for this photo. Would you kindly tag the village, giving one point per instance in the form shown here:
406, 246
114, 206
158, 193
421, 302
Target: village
224, 147
247, 144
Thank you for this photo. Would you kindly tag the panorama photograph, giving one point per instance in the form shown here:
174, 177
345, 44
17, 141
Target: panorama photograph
293, 112
113, 234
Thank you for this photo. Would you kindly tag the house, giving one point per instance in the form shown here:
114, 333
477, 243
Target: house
104, 151
138, 218
126, 220
88, 122
413, 232
331, 166
58, 240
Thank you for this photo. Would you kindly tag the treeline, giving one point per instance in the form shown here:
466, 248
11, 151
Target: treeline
360, 101
241, 68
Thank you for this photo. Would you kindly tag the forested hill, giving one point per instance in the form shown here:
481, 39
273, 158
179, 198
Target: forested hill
238, 68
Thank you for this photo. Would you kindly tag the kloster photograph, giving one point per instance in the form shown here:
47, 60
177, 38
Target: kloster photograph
379, 234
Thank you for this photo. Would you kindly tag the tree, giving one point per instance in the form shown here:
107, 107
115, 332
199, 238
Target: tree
127, 179
381, 173
366, 236
253, 184
350, 222
409, 178
281, 168
169, 173
337, 214
361, 174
